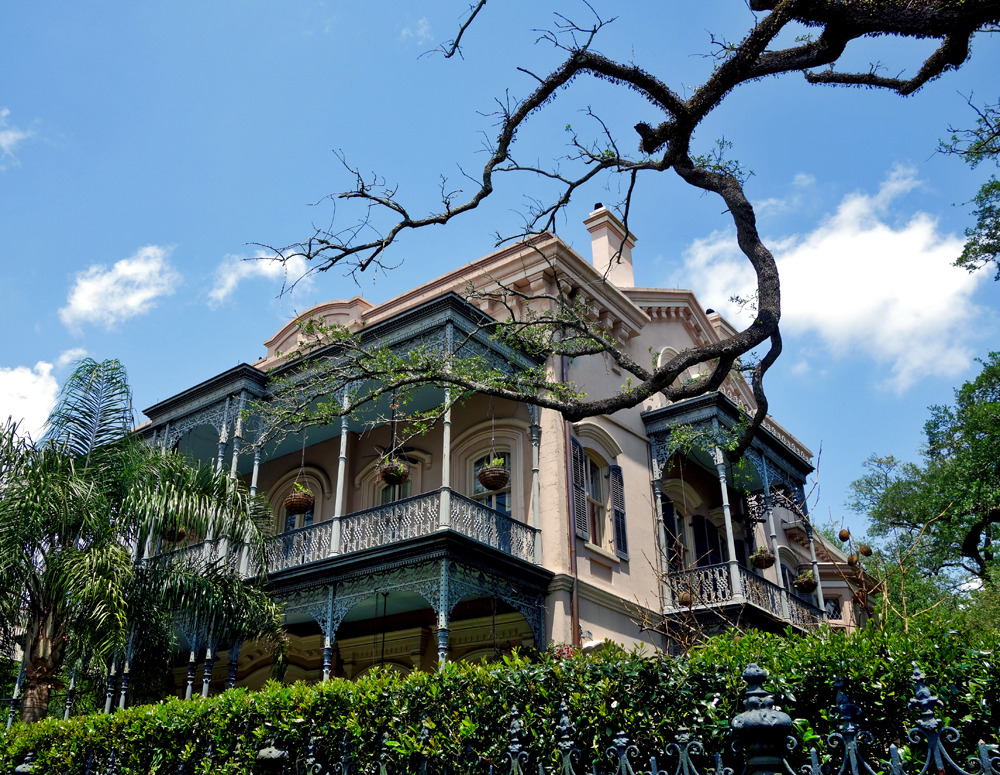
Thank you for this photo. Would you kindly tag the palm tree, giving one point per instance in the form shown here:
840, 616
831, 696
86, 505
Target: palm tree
77, 511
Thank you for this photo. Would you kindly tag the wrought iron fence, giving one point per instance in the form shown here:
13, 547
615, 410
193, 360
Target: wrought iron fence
760, 739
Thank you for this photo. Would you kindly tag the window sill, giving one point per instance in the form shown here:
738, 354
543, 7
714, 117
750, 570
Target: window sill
603, 553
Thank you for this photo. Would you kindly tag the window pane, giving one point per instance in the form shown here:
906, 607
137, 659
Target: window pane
502, 502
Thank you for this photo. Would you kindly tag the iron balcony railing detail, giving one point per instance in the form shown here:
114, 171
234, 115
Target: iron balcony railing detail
711, 585
491, 527
397, 521
298, 547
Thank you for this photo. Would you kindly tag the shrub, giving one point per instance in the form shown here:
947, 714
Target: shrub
462, 713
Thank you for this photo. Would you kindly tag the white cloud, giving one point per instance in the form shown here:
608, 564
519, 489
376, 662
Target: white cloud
10, 138
131, 287
71, 356
801, 183
864, 281
419, 32
234, 269
28, 395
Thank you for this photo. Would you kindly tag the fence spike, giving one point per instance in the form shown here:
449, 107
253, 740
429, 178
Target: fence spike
761, 730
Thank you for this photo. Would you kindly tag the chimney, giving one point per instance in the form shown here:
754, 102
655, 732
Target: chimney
607, 236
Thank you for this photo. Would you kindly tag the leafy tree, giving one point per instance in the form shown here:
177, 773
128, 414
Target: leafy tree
976, 145
948, 505
805, 37
76, 512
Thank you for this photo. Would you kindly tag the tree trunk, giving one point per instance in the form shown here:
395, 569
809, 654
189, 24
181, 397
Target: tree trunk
37, 692
44, 659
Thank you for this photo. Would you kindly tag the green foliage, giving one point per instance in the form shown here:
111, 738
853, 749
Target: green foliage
983, 245
75, 512
975, 145
949, 504
465, 708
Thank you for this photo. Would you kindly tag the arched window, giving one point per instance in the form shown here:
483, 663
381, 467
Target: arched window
499, 499
390, 493
311, 477
472, 449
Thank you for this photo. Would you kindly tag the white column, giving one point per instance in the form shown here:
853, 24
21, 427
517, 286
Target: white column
786, 611
820, 600
444, 517
536, 516
338, 505
238, 434
734, 569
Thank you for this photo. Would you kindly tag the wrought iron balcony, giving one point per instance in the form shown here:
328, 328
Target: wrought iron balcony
408, 518
711, 586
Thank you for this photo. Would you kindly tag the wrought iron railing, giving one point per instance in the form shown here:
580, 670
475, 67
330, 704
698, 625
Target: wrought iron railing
803, 613
397, 521
759, 591
712, 585
490, 527
761, 738
379, 526
298, 547
708, 585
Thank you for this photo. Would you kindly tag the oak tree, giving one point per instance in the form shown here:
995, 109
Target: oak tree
801, 38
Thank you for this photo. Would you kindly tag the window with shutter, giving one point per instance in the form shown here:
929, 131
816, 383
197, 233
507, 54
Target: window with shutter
580, 490
618, 509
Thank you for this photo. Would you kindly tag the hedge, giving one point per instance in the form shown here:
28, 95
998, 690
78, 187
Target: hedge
462, 713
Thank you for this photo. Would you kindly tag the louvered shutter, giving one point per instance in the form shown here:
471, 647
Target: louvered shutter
618, 511
579, 504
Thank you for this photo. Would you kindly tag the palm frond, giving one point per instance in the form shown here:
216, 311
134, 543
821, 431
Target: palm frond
94, 409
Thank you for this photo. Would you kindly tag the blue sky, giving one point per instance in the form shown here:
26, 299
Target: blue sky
145, 148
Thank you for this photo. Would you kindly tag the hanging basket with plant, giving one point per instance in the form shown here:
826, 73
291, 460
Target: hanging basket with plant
394, 470
299, 500
174, 533
762, 558
495, 475
805, 582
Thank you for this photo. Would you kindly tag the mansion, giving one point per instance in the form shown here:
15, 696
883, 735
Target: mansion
600, 529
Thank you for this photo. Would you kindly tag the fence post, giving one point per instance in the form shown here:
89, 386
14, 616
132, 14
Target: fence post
761, 730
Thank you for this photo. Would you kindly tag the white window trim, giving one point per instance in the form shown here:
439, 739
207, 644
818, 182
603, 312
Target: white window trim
507, 435
316, 480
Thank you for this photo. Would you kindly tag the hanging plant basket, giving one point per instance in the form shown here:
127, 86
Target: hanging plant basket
493, 477
805, 584
299, 501
394, 471
762, 558
174, 534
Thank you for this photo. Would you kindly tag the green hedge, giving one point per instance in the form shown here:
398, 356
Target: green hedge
466, 707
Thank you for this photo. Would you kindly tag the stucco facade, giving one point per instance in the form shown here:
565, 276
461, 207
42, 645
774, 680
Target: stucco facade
604, 530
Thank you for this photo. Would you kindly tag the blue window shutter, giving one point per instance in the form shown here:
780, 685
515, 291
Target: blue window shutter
618, 510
